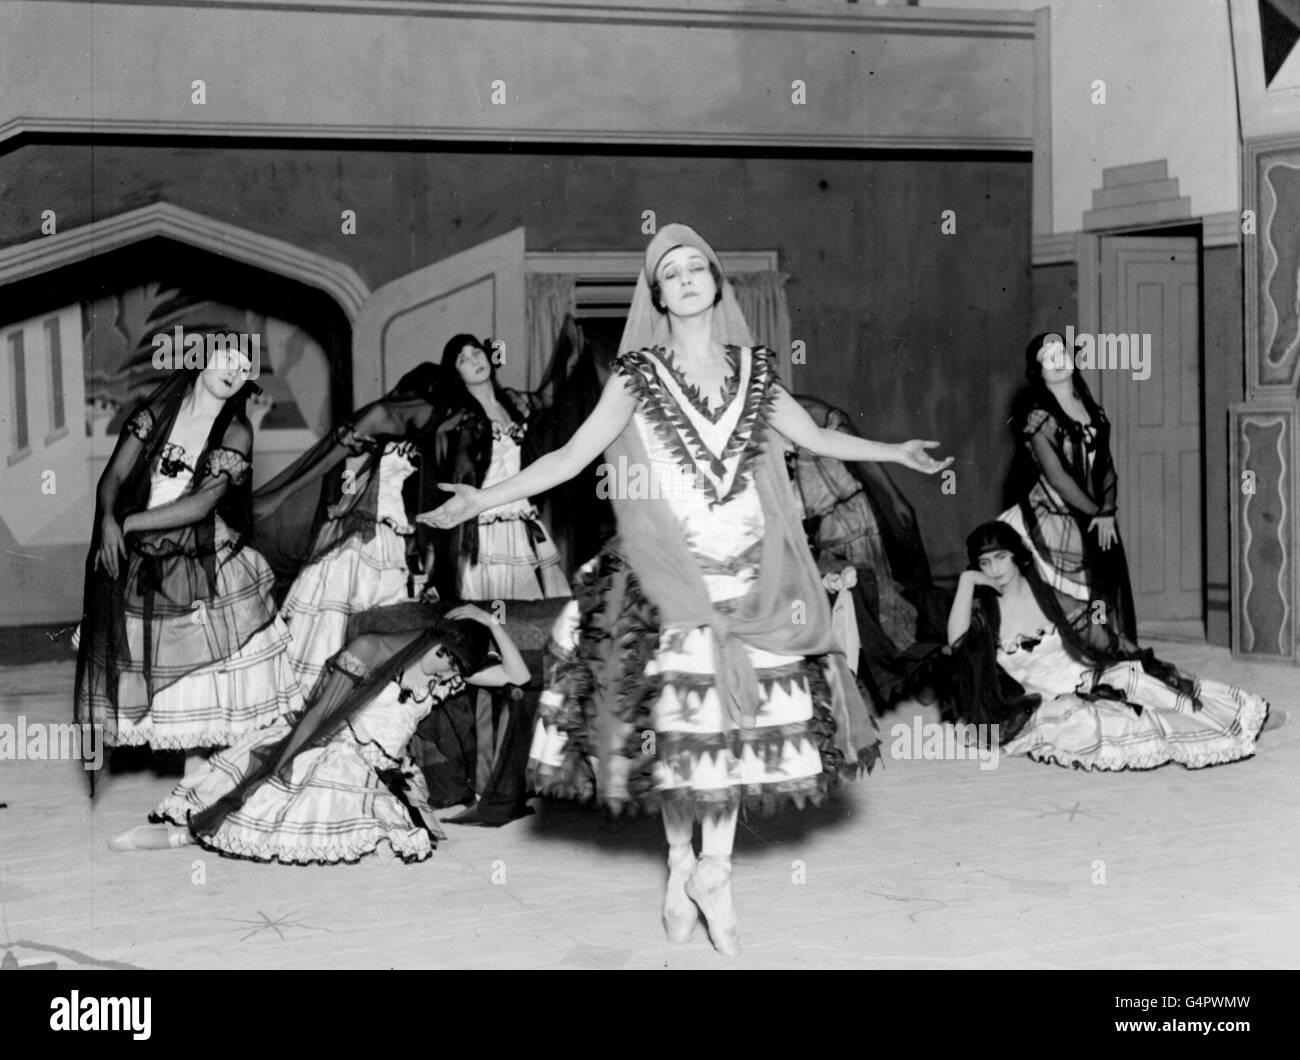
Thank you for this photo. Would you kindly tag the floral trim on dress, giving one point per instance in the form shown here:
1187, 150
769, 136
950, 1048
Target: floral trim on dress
515, 432
730, 386
405, 449
141, 424
1027, 641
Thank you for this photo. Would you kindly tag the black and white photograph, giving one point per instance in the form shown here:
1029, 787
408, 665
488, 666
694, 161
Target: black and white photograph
767, 485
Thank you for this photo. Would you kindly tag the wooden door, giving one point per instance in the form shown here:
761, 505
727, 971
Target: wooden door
479, 291
1150, 292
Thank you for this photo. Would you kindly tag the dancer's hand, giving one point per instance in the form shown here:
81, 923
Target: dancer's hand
465, 504
913, 454
112, 546
976, 578
472, 614
1107, 535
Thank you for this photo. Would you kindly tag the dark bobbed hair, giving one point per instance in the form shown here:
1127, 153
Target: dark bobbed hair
457, 394
997, 536
468, 643
1038, 392
424, 381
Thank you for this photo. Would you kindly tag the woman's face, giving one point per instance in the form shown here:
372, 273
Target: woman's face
686, 285
1057, 365
437, 660
1000, 566
473, 364
226, 374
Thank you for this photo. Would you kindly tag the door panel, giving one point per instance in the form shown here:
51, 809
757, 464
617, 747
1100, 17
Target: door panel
479, 291
1150, 293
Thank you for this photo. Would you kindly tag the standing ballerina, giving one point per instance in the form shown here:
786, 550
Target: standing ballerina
1064, 485
719, 681
179, 645
346, 531
506, 554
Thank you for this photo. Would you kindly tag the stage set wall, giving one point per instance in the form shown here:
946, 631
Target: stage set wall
916, 332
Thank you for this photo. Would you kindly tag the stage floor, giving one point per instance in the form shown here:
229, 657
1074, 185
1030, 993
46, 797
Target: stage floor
925, 864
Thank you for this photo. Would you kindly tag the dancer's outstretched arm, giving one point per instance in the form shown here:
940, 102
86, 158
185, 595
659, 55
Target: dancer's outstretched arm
598, 430
364, 426
792, 420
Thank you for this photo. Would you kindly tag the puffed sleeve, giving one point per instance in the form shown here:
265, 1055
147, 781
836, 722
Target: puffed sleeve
229, 462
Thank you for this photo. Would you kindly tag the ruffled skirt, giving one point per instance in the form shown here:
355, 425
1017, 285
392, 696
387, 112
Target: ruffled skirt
516, 560
355, 577
1107, 734
342, 802
632, 715
216, 704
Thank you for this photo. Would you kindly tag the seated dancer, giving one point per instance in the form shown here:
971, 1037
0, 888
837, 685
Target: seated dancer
337, 520
333, 785
506, 554
179, 645
1064, 689
864, 536
1063, 485
704, 674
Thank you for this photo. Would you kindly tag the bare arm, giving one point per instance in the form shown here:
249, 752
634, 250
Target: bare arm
181, 512
793, 421
959, 616
512, 669
367, 423
115, 474
112, 545
605, 423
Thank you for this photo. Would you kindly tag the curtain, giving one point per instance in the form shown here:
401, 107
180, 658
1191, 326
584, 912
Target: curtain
761, 296
550, 297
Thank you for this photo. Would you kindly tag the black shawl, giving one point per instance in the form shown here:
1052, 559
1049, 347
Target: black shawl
308, 509
169, 575
385, 641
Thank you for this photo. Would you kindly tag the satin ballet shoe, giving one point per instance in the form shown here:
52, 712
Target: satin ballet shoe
710, 889
1277, 717
150, 837
680, 914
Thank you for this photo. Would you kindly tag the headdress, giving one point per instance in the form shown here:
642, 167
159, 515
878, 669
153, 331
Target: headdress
648, 326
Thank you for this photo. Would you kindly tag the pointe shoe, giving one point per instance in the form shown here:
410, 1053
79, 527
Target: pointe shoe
680, 914
710, 889
150, 837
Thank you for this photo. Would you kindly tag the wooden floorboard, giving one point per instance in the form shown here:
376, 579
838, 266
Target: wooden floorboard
925, 864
